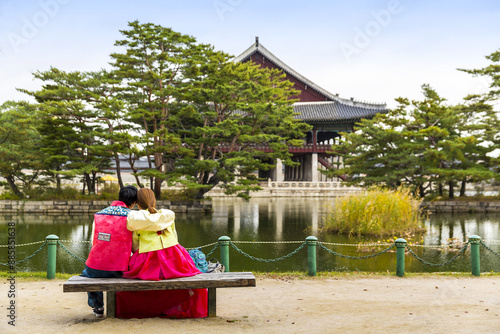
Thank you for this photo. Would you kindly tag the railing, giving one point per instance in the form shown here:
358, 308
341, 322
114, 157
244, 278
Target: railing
224, 243
305, 148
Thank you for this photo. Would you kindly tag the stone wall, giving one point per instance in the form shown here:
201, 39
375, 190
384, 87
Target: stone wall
462, 206
75, 207
296, 189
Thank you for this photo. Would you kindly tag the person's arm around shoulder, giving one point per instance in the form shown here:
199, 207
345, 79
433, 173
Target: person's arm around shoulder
143, 220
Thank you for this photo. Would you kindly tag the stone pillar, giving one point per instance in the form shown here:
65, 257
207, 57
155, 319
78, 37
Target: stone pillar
280, 177
314, 167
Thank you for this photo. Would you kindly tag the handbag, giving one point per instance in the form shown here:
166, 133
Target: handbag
215, 267
199, 259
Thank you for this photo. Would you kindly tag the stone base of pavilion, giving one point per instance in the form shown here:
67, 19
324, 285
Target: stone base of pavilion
296, 189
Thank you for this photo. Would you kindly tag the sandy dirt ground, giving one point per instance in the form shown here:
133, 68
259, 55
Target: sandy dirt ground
333, 305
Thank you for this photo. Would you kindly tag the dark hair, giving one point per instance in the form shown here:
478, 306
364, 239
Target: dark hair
146, 200
128, 195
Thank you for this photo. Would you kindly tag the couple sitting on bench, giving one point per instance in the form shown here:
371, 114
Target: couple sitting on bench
151, 236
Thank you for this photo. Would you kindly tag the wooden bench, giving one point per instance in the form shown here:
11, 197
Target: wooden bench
201, 281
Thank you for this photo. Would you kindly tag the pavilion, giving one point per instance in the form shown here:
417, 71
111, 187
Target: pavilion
328, 113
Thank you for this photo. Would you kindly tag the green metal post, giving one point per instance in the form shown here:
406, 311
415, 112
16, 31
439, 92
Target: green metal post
311, 254
400, 256
224, 251
52, 241
475, 241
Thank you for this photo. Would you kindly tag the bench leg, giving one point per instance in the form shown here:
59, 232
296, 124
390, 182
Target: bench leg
110, 304
212, 302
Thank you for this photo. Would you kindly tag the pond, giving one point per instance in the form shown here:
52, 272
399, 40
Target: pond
281, 220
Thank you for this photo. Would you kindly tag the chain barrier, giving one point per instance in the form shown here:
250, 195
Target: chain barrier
80, 241
268, 242
436, 246
70, 253
488, 248
357, 245
28, 244
268, 260
437, 264
213, 243
320, 244
213, 250
29, 257
274, 242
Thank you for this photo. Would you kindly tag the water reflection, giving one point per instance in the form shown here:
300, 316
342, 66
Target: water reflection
443, 227
264, 219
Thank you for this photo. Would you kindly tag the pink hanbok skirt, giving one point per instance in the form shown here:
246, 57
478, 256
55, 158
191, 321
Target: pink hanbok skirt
166, 263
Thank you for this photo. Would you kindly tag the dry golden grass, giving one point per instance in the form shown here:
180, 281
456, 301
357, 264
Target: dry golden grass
376, 212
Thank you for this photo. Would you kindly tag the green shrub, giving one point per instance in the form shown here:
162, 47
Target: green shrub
109, 191
376, 212
9, 196
183, 194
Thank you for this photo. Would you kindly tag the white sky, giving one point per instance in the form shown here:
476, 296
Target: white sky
371, 50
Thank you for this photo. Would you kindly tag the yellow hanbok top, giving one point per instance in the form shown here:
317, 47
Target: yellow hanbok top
152, 231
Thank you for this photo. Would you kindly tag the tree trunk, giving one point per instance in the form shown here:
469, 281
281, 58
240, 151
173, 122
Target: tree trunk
200, 194
58, 182
118, 170
462, 188
88, 182
157, 189
451, 190
213, 181
14, 187
93, 181
440, 189
138, 181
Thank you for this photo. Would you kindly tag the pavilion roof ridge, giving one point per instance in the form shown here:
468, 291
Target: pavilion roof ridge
347, 102
258, 47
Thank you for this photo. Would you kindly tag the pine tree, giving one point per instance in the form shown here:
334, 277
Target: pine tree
152, 70
239, 119
423, 144
20, 159
72, 118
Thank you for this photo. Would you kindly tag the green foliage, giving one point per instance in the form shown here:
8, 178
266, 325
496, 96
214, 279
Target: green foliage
152, 71
422, 144
73, 114
9, 195
184, 194
48, 193
236, 108
109, 191
19, 147
376, 212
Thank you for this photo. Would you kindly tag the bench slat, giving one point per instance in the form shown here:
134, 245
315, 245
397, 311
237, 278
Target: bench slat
201, 281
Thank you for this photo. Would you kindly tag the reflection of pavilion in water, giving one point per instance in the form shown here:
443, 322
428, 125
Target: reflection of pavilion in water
273, 212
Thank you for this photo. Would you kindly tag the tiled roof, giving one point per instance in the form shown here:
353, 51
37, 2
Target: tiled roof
334, 111
257, 47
